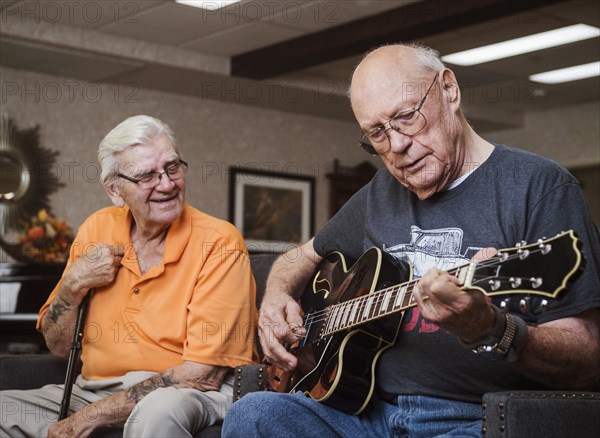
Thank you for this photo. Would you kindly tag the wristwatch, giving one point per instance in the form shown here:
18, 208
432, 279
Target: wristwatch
495, 349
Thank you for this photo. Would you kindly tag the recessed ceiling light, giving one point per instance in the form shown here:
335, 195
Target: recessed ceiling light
518, 46
211, 5
568, 74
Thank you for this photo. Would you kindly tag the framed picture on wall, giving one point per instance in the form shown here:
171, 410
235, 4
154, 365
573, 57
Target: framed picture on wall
274, 211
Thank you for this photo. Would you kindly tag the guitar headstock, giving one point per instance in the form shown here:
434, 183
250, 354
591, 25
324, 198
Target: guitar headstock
543, 268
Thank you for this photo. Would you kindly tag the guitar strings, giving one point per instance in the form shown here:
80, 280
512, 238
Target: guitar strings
377, 297
381, 293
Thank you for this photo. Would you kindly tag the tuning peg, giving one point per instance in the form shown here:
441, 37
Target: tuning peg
521, 243
524, 304
502, 256
523, 253
544, 305
515, 282
494, 284
536, 282
504, 304
545, 249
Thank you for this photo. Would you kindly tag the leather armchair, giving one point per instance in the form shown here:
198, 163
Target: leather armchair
548, 414
510, 414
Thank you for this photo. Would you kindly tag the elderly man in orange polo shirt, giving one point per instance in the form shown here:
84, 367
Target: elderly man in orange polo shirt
171, 307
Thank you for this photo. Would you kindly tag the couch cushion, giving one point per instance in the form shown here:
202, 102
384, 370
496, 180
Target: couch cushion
30, 371
261, 266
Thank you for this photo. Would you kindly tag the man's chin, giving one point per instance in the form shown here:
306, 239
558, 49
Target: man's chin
167, 212
423, 189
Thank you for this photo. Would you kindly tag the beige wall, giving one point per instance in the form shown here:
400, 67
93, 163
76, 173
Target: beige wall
570, 136
74, 116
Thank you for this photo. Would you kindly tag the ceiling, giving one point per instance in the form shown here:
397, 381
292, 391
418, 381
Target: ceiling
296, 55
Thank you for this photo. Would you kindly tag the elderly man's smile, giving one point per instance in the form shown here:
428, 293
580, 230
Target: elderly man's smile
165, 199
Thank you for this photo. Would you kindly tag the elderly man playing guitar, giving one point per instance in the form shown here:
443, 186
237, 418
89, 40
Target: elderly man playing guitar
444, 196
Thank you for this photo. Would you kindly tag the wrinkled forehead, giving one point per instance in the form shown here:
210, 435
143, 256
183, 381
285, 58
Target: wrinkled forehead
148, 155
389, 75
401, 77
376, 98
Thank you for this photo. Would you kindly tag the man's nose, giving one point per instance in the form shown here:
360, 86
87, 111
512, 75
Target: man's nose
164, 182
399, 142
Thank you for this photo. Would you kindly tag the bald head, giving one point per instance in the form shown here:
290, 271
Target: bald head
389, 66
408, 105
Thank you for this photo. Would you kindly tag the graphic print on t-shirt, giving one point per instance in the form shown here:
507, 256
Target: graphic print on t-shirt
432, 249
429, 249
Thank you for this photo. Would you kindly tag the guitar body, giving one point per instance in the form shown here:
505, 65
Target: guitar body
339, 369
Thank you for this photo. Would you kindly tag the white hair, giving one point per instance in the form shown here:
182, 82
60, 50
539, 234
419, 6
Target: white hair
427, 57
130, 132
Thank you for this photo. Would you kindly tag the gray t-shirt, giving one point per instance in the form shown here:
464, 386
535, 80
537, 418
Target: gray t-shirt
513, 196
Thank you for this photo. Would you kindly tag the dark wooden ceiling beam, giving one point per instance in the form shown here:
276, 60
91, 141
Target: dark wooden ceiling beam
408, 23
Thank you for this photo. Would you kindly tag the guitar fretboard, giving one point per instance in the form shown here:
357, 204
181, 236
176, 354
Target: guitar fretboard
544, 268
375, 305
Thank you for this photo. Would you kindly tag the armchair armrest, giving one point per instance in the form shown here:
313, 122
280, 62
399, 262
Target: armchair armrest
541, 413
250, 378
29, 371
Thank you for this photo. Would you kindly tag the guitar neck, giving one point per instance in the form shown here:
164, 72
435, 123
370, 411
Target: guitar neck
378, 304
544, 268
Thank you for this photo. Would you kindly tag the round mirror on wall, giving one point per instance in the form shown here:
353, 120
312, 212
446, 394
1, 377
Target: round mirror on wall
15, 177
28, 175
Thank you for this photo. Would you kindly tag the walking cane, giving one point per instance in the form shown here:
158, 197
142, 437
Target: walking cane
73, 356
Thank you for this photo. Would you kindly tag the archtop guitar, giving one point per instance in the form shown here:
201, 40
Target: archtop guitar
352, 316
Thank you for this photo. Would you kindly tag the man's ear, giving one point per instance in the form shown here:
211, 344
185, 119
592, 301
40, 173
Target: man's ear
450, 88
112, 189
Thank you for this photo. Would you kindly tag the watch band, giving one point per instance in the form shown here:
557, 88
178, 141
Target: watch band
500, 344
504, 344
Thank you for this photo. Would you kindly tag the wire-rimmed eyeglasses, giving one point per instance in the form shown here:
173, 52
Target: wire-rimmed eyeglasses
150, 180
408, 122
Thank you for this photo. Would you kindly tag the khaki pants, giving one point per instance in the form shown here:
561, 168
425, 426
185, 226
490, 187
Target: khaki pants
165, 412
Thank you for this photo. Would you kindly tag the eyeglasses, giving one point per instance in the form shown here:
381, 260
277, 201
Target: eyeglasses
150, 180
408, 122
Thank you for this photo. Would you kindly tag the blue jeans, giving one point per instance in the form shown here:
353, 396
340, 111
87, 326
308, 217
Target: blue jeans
270, 414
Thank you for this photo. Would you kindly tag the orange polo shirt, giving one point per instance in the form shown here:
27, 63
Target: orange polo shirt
197, 305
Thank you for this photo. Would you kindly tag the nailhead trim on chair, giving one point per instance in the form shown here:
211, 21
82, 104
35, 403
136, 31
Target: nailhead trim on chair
260, 383
501, 426
502, 417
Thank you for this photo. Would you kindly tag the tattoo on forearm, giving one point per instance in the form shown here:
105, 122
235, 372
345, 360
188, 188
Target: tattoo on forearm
142, 389
58, 307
